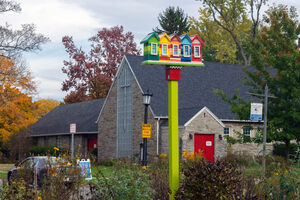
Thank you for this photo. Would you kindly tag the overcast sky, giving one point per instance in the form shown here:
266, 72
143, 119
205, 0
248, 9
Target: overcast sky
82, 19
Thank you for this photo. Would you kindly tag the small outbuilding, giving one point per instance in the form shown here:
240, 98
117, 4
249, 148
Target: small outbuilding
54, 128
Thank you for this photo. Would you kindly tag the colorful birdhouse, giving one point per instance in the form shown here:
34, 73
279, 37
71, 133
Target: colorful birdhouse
196, 48
172, 50
151, 46
185, 48
175, 53
164, 47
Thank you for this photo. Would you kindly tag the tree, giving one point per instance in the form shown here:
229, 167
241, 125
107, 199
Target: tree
276, 58
172, 20
91, 74
231, 16
43, 106
219, 44
276, 48
14, 42
16, 107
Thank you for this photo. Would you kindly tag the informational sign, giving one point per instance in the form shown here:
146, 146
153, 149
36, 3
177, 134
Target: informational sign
256, 111
72, 128
146, 131
85, 166
208, 143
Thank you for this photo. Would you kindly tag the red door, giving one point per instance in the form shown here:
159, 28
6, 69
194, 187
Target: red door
92, 143
206, 144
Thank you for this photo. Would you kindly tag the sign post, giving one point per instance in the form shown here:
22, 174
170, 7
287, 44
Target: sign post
72, 131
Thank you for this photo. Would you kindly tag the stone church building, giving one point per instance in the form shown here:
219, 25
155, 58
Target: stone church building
114, 124
204, 118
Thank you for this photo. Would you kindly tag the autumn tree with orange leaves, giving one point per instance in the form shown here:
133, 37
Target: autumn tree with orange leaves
90, 74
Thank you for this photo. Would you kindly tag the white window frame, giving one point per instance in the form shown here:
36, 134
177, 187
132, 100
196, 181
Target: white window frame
198, 56
153, 44
177, 55
249, 132
189, 51
228, 131
162, 49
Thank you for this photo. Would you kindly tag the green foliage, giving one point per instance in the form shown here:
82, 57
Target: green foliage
128, 181
159, 175
280, 186
172, 20
279, 149
45, 150
214, 180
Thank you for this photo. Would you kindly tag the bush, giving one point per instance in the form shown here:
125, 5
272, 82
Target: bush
128, 181
159, 175
279, 149
280, 186
45, 150
214, 180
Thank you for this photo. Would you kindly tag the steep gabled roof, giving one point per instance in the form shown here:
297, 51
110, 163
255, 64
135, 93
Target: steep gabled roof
165, 35
196, 87
194, 37
185, 36
58, 120
150, 35
174, 35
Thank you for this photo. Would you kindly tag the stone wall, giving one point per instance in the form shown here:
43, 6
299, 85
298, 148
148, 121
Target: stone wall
249, 149
205, 123
235, 126
107, 126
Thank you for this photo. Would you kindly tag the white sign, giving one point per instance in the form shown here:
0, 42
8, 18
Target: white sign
72, 128
85, 166
256, 111
208, 143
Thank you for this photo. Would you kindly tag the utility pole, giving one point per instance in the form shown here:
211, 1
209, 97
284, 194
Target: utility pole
266, 96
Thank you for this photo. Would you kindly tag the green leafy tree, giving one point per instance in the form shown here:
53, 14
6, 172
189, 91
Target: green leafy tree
227, 29
276, 57
276, 48
173, 20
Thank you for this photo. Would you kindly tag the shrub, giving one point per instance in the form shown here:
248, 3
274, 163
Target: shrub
280, 186
128, 181
159, 175
45, 150
214, 180
279, 149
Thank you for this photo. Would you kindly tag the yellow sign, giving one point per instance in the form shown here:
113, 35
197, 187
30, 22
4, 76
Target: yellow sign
146, 131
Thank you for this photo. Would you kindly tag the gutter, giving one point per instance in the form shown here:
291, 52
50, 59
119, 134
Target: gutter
57, 134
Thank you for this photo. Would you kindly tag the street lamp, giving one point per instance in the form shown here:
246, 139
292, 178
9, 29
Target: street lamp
146, 101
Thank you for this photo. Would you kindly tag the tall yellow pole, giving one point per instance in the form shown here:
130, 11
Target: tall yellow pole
173, 137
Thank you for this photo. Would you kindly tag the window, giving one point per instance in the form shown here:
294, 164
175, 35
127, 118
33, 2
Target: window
247, 134
196, 51
164, 50
153, 48
186, 51
226, 131
175, 50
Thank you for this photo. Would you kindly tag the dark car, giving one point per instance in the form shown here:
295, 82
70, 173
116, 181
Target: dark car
26, 168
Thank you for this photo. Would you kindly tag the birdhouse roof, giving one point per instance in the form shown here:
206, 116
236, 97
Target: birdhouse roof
194, 37
174, 35
165, 35
182, 37
149, 36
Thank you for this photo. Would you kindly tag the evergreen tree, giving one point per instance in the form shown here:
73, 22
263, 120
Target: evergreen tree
173, 20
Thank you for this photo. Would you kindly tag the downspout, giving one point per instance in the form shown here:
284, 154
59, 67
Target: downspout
157, 136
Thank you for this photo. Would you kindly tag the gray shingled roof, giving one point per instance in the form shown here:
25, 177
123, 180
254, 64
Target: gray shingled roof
196, 87
58, 120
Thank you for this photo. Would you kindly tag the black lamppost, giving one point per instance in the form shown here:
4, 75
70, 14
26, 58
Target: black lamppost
146, 101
